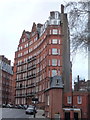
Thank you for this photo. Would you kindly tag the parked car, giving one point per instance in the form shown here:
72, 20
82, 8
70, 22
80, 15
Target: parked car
3, 105
30, 110
9, 106
25, 106
20, 107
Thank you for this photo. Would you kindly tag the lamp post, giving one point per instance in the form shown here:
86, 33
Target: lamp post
34, 100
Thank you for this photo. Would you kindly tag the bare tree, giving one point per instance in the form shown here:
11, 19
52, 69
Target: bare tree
78, 13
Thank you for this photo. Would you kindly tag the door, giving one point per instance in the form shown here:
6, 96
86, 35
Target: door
67, 115
75, 116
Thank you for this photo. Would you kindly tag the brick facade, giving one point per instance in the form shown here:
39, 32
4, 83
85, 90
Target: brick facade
42, 69
6, 81
41, 55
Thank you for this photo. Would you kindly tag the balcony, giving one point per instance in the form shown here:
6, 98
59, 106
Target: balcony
21, 79
30, 94
31, 85
20, 87
32, 59
31, 76
20, 95
23, 70
22, 63
32, 67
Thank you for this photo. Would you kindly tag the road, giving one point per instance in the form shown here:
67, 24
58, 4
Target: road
18, 113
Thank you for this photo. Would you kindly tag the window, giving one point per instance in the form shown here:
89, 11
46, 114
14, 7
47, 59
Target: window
48, 100
59, 41
69, 99
54, 51
58, 72
20, 48
55, 31
42, 97
56, 15
26, 45
54, 62
49, 51
30, 49
25, 59
54, 41
50, 32
30, 42
54, 72
23, 40
35, 39
49, 63
58, 62
20, 54
57, 82
39, 98
39, 87
26, 52
36, 88
79, 99
49, 41
58, 51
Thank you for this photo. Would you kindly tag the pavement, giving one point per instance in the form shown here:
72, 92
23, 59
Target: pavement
40, 114
11, 113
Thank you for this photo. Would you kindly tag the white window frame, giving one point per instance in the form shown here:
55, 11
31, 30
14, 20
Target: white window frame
50, 32
48, 100
79, 99
54, 51
54, 62
59, 41
58, 62
54, 31
54, 41
53, 72
69, 100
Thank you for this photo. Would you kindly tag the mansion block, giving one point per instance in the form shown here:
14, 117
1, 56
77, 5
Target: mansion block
42, 69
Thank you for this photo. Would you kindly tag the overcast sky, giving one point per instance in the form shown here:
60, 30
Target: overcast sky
17, 15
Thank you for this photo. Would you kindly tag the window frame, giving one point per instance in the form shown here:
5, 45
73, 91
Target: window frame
79, 99
55, 31
54, 62
53, 70
69, 99
54, 41
54, 51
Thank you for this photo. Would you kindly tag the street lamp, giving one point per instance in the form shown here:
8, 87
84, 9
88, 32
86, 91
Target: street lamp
34, 100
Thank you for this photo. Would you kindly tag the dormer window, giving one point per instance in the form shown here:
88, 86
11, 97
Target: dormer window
56, 15
57, 82
23, 40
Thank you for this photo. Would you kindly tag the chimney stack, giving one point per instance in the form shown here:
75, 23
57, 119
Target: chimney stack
78, 78
62, 8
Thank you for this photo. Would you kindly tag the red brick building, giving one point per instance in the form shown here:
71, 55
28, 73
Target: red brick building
6, 81
42, 53
42, 69
66, 105
81, 85
78, 103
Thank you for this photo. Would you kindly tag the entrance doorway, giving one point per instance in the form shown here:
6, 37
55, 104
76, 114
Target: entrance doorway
75, 116
67, 115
